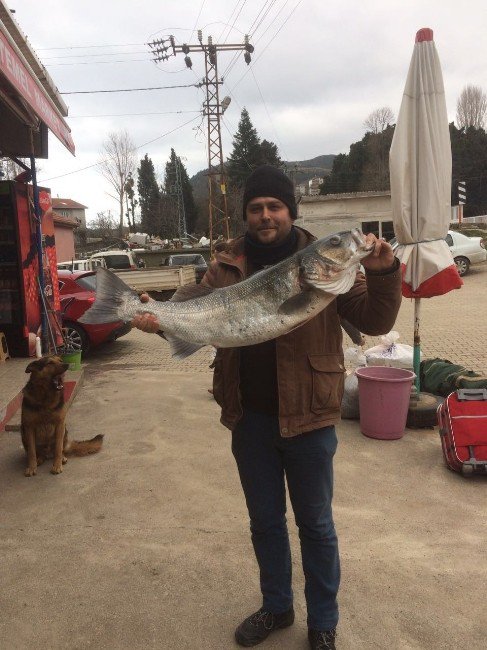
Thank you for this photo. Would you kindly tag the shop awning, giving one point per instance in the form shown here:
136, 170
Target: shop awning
29, 101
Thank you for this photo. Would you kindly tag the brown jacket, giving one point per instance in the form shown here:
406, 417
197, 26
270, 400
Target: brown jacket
310, 366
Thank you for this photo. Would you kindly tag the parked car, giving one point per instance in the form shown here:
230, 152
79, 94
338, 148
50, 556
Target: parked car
77, 292
82, 265
465, 250
117, 259
183, 259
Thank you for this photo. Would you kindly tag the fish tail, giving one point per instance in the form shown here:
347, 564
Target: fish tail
112, 298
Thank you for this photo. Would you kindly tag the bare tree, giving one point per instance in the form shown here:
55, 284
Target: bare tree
9, 169
103, 225
471, 108
118, 162
379, 120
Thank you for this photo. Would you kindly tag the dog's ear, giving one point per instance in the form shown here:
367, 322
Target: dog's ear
32, 365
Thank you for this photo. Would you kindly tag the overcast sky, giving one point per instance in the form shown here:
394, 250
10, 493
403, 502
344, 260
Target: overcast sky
319, 68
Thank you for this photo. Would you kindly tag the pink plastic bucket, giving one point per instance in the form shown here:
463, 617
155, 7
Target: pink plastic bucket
384, 401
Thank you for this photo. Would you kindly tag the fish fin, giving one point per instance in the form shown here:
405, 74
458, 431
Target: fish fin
297, 303
111, 295
181, 349
190, 292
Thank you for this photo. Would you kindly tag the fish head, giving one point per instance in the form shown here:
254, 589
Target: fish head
330, 264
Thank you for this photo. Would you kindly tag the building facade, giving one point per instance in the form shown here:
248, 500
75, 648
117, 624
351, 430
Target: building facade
70, 210
325, 214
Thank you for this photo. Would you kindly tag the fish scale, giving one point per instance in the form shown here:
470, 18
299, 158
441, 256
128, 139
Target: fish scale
266, 305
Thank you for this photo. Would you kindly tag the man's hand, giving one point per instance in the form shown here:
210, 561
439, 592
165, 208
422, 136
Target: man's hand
146, 322
381, 258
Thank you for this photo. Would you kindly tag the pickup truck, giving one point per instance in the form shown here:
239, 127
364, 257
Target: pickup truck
158, 280
189, 259
81, 265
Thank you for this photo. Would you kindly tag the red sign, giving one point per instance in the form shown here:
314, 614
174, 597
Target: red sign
44, 200
33, 93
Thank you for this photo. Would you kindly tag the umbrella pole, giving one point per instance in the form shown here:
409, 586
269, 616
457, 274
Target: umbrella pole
417, 343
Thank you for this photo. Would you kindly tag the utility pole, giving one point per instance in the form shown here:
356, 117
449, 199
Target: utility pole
212, 109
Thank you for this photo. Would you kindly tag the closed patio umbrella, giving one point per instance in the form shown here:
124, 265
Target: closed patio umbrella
420, 170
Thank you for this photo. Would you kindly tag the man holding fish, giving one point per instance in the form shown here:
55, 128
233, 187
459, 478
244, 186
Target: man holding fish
280, 384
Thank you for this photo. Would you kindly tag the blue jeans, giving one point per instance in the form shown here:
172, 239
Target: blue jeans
264, 458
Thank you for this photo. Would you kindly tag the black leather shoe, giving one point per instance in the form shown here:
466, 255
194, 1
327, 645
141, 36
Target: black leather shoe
322, 640
257, 627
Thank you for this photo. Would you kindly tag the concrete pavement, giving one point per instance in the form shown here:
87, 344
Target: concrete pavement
146, 545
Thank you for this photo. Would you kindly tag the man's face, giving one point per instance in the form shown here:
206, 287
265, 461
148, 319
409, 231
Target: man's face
268, 220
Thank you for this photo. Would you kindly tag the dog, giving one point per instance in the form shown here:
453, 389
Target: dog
43, 416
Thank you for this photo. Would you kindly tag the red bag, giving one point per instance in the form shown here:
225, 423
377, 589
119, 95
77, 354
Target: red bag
462, 419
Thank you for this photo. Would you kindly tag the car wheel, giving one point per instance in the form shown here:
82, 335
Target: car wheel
75, 338
462, 265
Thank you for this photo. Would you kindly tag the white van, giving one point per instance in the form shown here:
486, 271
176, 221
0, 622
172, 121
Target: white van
116, 259
82, 265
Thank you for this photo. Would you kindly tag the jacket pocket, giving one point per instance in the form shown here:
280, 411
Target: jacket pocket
327, 371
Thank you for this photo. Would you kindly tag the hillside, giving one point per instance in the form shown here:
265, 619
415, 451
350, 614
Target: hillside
318, 166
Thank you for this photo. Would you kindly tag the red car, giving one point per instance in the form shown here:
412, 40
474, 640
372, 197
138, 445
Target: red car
77, 293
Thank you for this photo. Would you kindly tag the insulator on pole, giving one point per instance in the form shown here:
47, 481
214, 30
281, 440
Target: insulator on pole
248, 46
200, 35
189, 63
247, 58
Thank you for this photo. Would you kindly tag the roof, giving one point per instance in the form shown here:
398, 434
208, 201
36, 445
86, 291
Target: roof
64, 222
22, 43
345, 195
58, 204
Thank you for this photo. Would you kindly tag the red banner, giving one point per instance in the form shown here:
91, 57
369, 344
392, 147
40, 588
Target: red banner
26, 85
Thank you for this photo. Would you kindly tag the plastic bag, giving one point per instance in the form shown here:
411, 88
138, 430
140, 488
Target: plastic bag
390, 353
354, 358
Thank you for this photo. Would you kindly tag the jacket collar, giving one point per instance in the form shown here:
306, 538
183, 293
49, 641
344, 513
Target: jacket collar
234, 255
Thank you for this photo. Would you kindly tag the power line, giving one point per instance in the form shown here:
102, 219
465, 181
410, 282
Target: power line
71, 117
85, 47
196, 21
227, 24
100, 162
235, 20
265, 48
127, 90
50, 65
267, 111
264, 17
273, 20
84, 56
232, 63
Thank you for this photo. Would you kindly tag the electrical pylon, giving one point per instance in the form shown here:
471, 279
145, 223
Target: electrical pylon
213, 109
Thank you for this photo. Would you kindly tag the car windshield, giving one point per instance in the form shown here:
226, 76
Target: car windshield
87, 282
117, 261
189, 259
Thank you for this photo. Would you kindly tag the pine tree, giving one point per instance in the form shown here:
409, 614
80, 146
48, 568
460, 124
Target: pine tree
149, 196
469, 157
269, 154
245, 156
189, 202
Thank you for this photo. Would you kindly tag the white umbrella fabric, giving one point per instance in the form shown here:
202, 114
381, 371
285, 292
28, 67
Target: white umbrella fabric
420, 170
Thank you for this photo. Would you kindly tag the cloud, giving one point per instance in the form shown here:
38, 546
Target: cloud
316, 73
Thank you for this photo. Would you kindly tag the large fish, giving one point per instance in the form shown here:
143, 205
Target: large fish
269, 303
